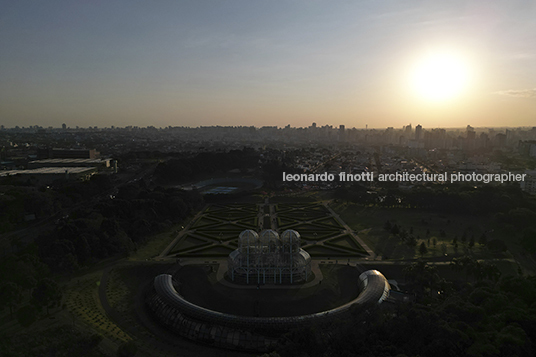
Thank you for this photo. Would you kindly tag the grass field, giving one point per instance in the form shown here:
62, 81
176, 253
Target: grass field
157, 243
82, 300
425, 226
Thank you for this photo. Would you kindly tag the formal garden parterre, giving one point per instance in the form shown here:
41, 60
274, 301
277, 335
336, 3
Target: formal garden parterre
215, 232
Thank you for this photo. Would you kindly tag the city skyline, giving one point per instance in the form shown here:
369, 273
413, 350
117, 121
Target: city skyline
240, 63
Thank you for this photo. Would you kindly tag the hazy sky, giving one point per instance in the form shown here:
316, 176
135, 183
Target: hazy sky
262, 62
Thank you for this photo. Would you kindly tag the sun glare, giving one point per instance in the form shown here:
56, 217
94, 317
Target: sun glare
439, 77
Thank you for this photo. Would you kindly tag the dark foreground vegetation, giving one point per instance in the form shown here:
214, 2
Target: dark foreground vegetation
51, 232
115, 226
89, 234
484, 318
111, 228
57, 341
479, 314
183, 169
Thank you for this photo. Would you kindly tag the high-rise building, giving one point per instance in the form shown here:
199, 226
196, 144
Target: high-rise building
418, 132
483, 141
529, 183
470, 138
342, 134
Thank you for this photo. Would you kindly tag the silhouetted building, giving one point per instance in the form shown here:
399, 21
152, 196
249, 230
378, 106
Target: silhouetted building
408, 132
470, 139
529, 183
67, 154
528, 148
47, 175
342, 133
500, 140
418, 132
101, 163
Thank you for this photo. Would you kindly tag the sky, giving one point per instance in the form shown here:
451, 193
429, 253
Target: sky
265, 62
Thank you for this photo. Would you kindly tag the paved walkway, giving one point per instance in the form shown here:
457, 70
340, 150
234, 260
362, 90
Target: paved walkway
166, 251
350, 231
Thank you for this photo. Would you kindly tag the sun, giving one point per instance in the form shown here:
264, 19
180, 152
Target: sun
439, 77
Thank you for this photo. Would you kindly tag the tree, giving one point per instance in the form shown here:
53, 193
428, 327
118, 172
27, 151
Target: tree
422, 249
466, 263
47, 294
497, 245
26, 315
306, 341
444, 248
483, 240
472, 242
5, 245
24, 274
411, 242
491, 271
342, 194
127, 349
10, 295
422, 275
528, 240
178, 207
403, 235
